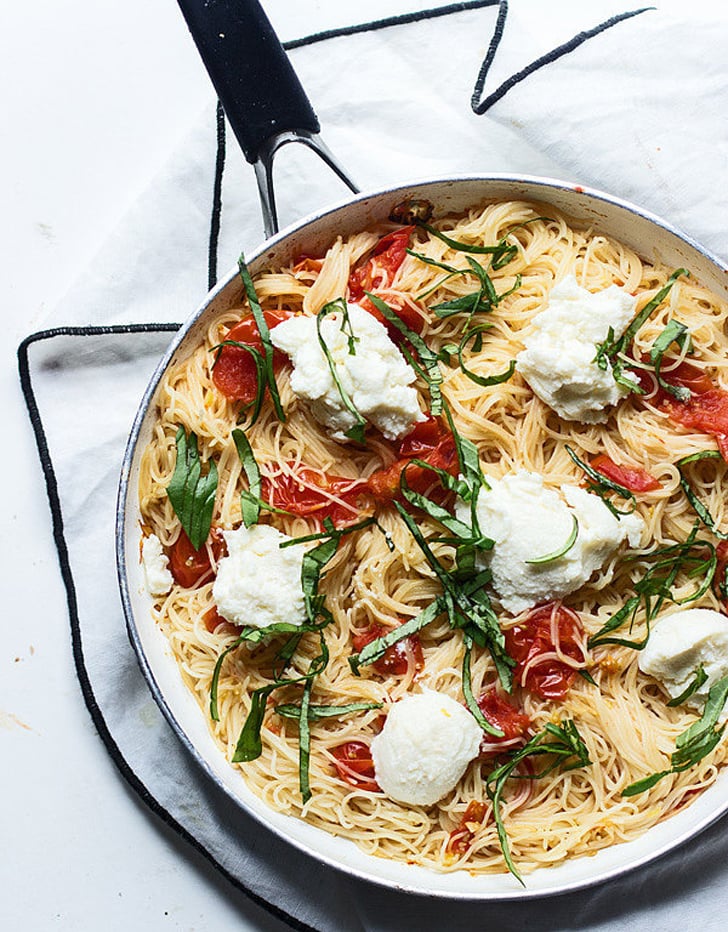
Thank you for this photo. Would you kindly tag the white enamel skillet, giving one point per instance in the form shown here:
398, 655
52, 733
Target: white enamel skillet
262, 128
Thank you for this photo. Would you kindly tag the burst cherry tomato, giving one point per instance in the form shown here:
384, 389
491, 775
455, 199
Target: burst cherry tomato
291, 494
533, 637
430, 441
188, 566
214, 622
506, 717
234, 372
378, 269
397, 658
631, 477
461, 837
354, 765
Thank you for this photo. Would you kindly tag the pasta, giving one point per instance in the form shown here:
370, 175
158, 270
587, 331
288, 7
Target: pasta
379, 575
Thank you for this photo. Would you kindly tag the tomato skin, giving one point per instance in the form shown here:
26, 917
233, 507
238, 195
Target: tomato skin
188, 566
430, 441
395, 660
389, 254
720, 572
532, 637
499, 712
214, 622
233, 372
461, 837
631, 477
288, 494
354, 765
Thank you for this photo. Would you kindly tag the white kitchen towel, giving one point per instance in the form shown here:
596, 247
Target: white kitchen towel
602, 93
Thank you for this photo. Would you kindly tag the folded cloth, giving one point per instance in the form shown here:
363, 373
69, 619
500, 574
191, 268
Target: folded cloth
632, 103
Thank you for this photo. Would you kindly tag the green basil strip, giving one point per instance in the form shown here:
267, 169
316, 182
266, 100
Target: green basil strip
191, 494
483, 381
599, 478
631, 332
250, 744
700, 677
260, 376
214, 712
250, 503
468, 458
316, 712
693, 744
499, 250
268, 348
698, 506
427, 358
379, 646
569, 752
437, 512
561, 551
470, 700
304, 743
326, 533
356, 432
674, 332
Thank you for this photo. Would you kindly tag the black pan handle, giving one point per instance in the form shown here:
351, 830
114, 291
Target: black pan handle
257, 86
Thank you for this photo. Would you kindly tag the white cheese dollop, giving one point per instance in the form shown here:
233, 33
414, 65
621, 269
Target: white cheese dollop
679, 643
558, 359
528, 521
257, 583
156, 566
424, 748
376, 376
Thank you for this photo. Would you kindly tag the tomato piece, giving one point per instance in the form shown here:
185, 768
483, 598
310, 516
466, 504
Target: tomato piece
536, 636
707, 413
461, 838
689, 376
430, 441
188, 566
499, 712
377, 271
720, 578
354, 765
308, 494
214, 622
234, 372
631, 477
396, 659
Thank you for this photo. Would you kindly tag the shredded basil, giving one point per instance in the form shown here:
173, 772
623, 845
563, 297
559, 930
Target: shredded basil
601, 485
700, 509
476, 334
268, 349
426, 364
325, 711
250, 497
694, 744
561, 551
656, 585
678, 333
569, 752
338, 306
191, 494
693, 686
470, 700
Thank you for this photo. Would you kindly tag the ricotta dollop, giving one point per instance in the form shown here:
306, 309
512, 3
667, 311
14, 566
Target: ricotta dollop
681, 642
426, 744
558, 361
257, 583
156, 566
376, 377
527, 521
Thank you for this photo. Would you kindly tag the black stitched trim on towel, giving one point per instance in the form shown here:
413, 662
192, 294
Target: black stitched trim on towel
78, 656
480, 106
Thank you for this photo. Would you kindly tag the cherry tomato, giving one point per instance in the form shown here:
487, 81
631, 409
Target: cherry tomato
354, 765
396, 659
506, 717
528, 640
188, 566
631, 477
290, 494
430, 441
234, 372
378, 270
214, 622
461, 837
